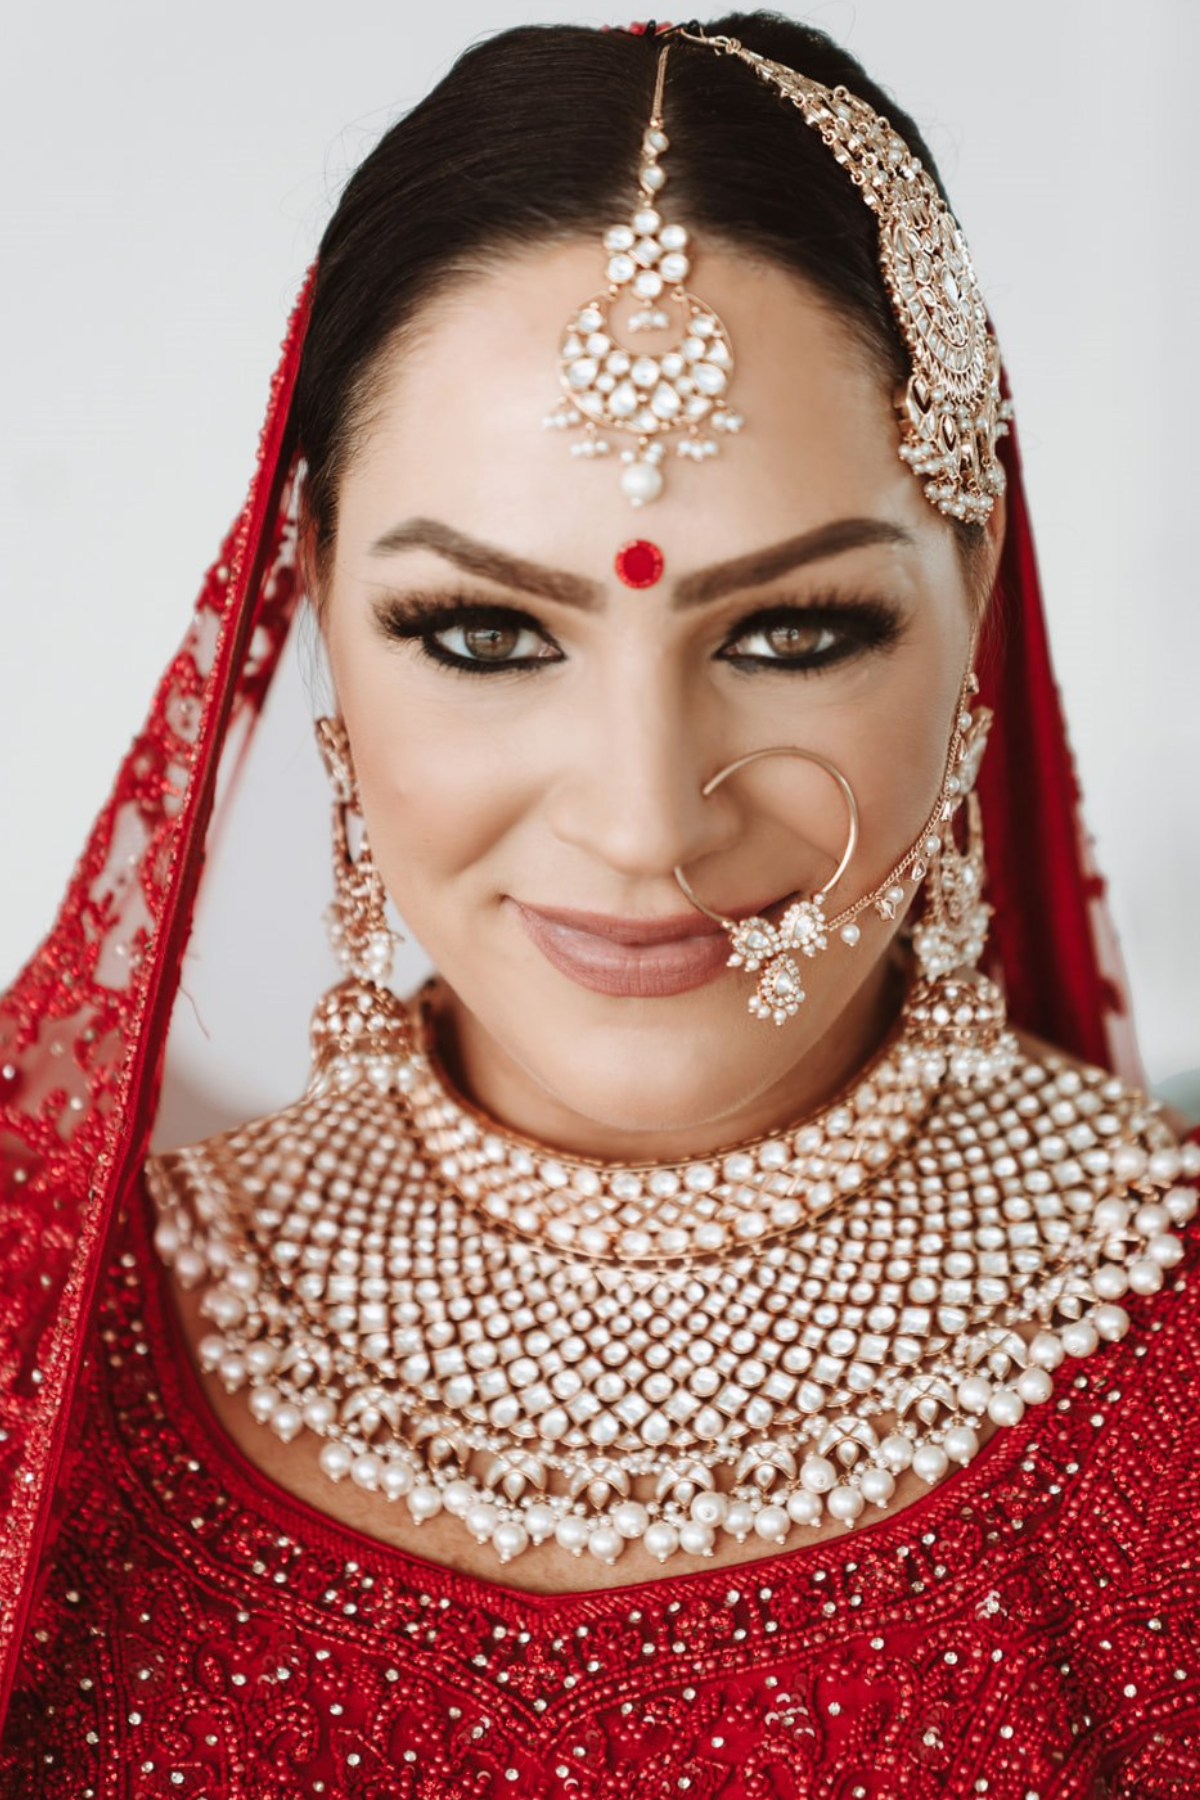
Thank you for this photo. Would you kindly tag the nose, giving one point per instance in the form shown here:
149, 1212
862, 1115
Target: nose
630, 792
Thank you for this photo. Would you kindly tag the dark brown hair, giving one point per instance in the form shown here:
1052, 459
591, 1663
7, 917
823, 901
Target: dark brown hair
534, 136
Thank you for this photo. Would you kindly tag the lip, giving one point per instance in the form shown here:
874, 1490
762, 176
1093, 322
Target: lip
646, 957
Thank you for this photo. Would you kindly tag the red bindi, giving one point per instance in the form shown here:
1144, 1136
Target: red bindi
639, 564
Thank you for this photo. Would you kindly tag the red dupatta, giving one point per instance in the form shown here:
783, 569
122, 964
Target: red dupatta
83, 1028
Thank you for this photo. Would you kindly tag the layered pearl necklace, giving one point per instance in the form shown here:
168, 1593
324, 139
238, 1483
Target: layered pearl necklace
550, 1348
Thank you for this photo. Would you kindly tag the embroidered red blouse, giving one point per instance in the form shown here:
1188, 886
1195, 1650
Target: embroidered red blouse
1029, 1631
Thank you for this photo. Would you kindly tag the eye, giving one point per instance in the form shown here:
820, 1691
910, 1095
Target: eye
790, 641
814, 636
494, 643
469, 637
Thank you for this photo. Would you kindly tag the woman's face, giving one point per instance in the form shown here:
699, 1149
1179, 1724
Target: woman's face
531, 736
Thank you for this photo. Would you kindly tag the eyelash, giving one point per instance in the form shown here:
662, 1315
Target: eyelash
863, 623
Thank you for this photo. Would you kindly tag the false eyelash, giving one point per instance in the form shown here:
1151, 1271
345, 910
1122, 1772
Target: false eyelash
864, 622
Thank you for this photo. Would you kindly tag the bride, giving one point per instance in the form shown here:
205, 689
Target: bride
728, 1331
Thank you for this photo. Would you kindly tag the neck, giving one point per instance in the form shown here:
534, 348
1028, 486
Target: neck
491, 1080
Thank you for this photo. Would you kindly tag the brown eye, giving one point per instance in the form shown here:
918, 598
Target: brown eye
787, 640
490, 643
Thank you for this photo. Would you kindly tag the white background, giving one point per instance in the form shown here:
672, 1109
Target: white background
167, 173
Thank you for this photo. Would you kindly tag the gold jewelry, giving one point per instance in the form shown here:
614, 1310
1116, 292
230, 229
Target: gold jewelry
757, 944
608, 386
551, 1348
358, 1026
951, 411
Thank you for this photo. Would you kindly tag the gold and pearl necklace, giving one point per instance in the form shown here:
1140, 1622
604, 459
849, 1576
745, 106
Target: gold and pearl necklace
550, 1348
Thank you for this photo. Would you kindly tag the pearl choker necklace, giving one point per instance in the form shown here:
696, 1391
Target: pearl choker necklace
551, 1348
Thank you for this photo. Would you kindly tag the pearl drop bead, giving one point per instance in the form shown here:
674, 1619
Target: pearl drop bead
877, 1486
695, 1539
1079, 1338
1145, 1275
631, 1519
1111, 1216
1149, 1220
850, 934
1128, 1162
930, 1462
1034, 1386
458, 1497
818, 1474
365, 1472
571, 1534
509, 1539
896, 1451
1110, 1281
641, 482
481, 1520
740, 1520
395, 1481
540, 1521
1006, 1407
286, 1421
770, 1523
424, 1503
335, 1460
1047, 1350
804, 1508
1111, 1322
974, 1393
661, 1540
1165, 1250
961, 1443
710, 1509
1181, 1203
605, 1543
844, 1503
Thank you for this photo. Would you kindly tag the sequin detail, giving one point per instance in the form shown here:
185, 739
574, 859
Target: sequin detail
1031, 1628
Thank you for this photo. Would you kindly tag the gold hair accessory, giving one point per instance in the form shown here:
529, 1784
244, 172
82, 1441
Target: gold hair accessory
951, 410
646, 393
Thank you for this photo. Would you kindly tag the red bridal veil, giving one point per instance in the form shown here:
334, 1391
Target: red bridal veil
83, 1027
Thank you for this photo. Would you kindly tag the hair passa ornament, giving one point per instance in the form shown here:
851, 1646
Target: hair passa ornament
951, 410
648, 394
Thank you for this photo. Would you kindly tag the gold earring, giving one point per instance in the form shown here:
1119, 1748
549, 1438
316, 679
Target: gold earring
359, 1029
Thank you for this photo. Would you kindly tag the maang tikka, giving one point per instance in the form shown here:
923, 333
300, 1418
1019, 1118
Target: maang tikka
648, 394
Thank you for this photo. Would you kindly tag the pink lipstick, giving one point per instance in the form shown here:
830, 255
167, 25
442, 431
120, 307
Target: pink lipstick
647, 957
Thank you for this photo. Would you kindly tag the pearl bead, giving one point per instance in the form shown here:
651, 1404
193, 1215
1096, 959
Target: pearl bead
695, 1539
1006, 1407
1145, 1275
1128, 1162
844, 1503
961, 1443
877, 1486
1111, 1322
850, 934
710, 1509
739, 1520
395, 1481
1181, 1203
630, 1519
1079, 1338
509, 1539
772, 1524
818, 1474
335, 1460
287, 1421
365, 1472
481, 1520
1111, 1216
804, 1508
1110, 1281
1034, 1386
1046, 1350
540, 1521
641, 482
1149, 1220
424, 1503
974, 1393
930, 1462
896, 1451
605, 1543
1165, 1250
661, 1540
571, 1534
458, 1497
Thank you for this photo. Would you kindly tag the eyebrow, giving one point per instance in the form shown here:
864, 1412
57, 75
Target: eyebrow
696, 589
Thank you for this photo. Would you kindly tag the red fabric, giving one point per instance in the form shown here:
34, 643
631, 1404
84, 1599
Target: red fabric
1031, 1628
82, 1032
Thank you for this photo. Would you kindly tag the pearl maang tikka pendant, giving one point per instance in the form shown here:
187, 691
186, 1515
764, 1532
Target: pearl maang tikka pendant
646, 393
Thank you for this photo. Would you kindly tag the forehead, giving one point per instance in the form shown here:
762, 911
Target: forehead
454, 429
